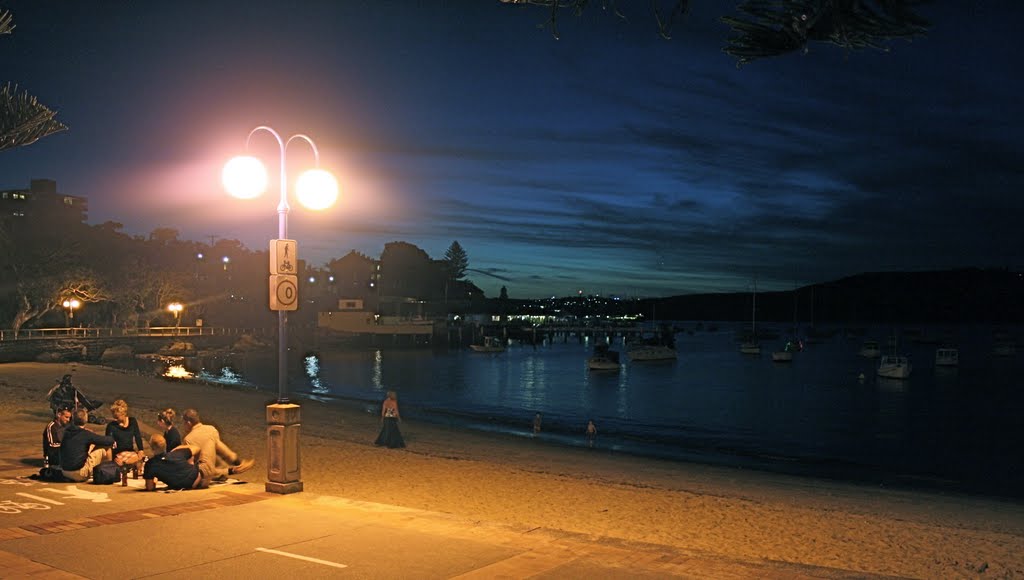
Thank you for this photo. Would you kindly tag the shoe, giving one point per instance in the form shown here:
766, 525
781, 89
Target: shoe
243, 466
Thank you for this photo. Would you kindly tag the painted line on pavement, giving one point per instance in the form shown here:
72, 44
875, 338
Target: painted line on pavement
37, 498
298, 557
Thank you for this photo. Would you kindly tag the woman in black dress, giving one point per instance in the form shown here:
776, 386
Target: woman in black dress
389, 419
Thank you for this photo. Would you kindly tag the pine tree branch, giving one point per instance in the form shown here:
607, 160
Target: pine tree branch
23, 119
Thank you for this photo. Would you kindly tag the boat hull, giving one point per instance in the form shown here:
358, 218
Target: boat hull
651, 353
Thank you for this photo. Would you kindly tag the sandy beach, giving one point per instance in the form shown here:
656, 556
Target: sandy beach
712, 511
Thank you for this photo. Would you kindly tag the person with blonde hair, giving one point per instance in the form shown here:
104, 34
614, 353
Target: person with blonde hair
128, 445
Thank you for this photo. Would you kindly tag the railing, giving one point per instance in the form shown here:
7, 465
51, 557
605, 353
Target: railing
92, 333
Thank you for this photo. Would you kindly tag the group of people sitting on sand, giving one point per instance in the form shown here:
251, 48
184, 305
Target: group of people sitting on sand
75, 453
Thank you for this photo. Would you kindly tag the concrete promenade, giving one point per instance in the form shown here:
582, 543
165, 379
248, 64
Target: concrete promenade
50, 530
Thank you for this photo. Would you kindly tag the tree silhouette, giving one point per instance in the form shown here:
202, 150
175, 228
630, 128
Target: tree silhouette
456, 261
775, 27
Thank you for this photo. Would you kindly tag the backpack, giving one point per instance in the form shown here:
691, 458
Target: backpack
106, 473
51, 474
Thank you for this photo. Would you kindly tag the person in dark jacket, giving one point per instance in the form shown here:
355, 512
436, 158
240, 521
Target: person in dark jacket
81, 450
176, 468
66, 395
52, 435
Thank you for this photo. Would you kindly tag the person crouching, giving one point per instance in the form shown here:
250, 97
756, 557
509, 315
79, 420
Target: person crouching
176, 468
81, 450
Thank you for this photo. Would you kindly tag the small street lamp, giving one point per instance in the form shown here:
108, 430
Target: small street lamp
71, 304
245, 177
175, 308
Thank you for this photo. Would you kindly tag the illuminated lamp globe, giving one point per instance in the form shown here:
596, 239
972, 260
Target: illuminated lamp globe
317, 189
244, 177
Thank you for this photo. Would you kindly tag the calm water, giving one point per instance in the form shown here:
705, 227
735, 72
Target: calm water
954, 429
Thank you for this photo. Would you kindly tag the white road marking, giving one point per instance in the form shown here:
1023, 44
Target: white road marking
37, 498
298, 557
75, 493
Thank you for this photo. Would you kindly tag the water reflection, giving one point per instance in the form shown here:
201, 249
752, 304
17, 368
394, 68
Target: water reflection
311, 364
533, 380
225, 375
177, 372
378, 370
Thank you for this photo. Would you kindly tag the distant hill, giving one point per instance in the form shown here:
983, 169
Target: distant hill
968, 295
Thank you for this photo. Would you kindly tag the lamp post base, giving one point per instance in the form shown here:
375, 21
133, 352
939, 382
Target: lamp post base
284, 468
283, 488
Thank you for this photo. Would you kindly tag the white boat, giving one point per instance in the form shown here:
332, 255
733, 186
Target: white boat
491, 344
870, 349
894, 367
651, 352
782, 355
947, 357
604, 359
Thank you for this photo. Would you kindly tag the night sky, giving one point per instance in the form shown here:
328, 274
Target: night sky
610, 160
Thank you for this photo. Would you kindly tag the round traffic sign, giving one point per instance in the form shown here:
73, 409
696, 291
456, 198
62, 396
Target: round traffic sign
286, 291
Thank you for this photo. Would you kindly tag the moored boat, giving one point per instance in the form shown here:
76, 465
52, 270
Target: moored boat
1004, 348
604, 359
947, 357
894, 367
491, 344
644, 352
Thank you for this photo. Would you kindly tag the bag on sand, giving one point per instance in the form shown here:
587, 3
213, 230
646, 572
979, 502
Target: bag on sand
51, 474
106, 473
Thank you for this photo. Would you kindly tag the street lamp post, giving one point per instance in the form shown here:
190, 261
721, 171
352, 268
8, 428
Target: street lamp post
71, 304
245, 177
175, 308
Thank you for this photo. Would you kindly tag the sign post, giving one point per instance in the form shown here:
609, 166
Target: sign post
284, 471
284, 280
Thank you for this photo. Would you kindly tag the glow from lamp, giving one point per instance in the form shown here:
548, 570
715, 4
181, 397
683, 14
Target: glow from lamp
244, 177
317, 189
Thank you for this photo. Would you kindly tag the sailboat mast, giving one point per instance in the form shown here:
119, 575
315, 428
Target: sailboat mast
753, 312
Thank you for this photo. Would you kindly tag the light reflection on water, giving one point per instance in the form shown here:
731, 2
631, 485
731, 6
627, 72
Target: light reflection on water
225, 376
813, 415
312, 368
177, 372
